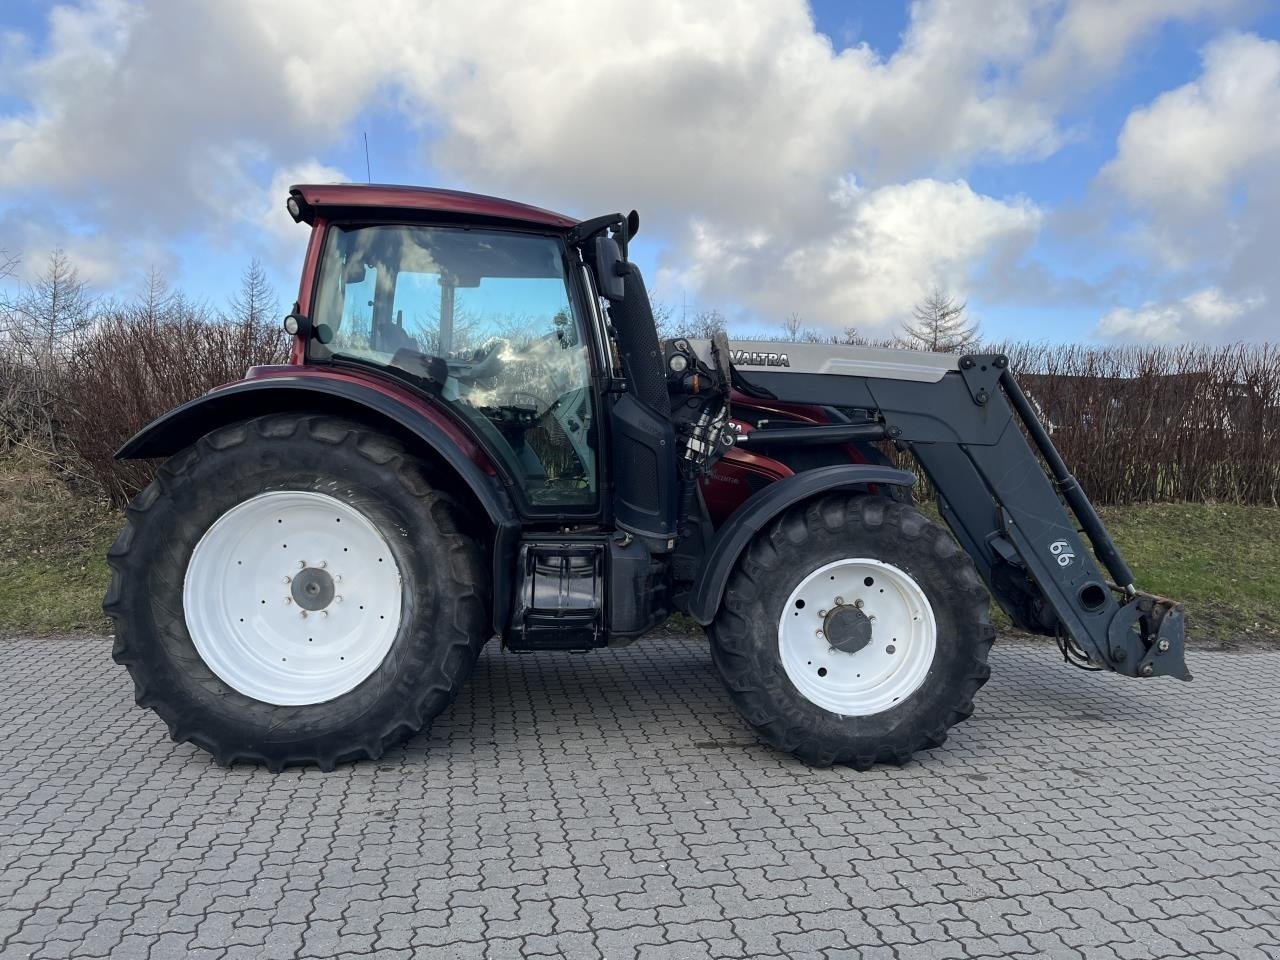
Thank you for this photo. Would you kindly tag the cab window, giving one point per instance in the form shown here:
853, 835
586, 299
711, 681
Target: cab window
483, 320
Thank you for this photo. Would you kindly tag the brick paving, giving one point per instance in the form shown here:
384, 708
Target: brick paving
612, 805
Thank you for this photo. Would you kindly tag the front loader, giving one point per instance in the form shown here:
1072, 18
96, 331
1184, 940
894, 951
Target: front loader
480, 435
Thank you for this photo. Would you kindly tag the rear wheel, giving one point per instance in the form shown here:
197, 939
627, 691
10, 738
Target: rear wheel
292, 590
854, 630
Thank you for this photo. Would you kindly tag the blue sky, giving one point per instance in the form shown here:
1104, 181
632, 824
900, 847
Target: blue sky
1076, 170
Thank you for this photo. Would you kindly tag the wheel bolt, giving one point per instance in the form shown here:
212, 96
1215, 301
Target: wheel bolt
839, 601
818, 634
323, 564
302, 564
822, 613
858, 604
288, 579
303, 613
338, 598
1163, 646
324, 613
288, 600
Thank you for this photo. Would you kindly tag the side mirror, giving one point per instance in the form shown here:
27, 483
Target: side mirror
611, 269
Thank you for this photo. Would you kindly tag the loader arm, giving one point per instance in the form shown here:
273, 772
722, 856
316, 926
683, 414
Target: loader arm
1003, 489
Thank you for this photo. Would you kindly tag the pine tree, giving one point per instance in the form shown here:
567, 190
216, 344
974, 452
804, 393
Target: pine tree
940, 325
55, 308
256, 302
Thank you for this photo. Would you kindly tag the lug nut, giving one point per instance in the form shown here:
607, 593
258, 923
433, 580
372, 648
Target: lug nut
288, 579
303, 613
1163, 646
338, 598
822, 613
839, 601
302, 564
1147, 670
323, 564
858, 604
818, 634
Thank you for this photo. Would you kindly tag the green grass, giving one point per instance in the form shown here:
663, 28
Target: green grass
1223, 561
53, 571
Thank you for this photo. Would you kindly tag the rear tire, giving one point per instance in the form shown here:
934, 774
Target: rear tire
918, 689
346, 686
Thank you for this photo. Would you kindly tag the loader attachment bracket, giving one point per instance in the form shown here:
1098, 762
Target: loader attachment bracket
1160, 623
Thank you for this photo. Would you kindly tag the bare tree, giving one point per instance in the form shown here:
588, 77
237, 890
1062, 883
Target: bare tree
940, 325
663, 314
792, 326
706, 324
155, 302
43, 328
702, 325
8, 264
255, 303
55, 307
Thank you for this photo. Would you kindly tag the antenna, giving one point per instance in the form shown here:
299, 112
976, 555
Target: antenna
368, 173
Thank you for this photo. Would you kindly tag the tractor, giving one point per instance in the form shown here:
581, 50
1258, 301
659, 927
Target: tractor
480, 435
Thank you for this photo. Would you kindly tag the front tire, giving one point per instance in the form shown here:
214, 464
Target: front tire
292, 590
854, 630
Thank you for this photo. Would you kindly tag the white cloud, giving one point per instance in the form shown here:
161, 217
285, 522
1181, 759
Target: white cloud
1093, 38
1195, 144
880, 251
1207, 314
732, 126
1197, 166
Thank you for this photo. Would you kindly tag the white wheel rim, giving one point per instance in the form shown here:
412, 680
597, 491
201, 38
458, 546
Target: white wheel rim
891, 665
283, 642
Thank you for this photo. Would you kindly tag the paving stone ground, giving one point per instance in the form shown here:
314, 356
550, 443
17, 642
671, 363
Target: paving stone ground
612, 805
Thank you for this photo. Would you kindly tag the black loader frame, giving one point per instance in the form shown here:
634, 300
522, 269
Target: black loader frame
1003, 489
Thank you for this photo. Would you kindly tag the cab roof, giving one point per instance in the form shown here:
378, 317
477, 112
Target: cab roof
346, 199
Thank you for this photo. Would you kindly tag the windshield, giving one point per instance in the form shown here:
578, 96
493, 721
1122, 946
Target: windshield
482, 319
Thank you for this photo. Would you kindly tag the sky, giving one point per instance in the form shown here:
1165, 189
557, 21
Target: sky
1075, 170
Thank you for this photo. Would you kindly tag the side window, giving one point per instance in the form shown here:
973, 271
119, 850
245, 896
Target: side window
485, 320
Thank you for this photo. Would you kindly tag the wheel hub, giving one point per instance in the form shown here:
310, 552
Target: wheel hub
312, 589
292, 597
857, 636
848, 629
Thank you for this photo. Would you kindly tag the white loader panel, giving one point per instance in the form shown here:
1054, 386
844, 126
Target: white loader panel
781, 356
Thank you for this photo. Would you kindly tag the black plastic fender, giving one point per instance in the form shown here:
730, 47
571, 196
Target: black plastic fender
184, 425
732, 538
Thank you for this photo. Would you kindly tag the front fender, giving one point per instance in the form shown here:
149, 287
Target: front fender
254, 397
762, 507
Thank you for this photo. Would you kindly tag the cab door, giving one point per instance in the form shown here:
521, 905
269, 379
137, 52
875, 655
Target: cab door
487, 321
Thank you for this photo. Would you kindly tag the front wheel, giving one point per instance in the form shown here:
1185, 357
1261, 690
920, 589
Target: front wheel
292, 590
854, 630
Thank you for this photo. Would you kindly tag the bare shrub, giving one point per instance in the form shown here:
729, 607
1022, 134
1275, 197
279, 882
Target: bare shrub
1188, 422
142, 359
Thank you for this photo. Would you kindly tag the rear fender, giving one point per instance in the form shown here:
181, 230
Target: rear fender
761, 508
400, 414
